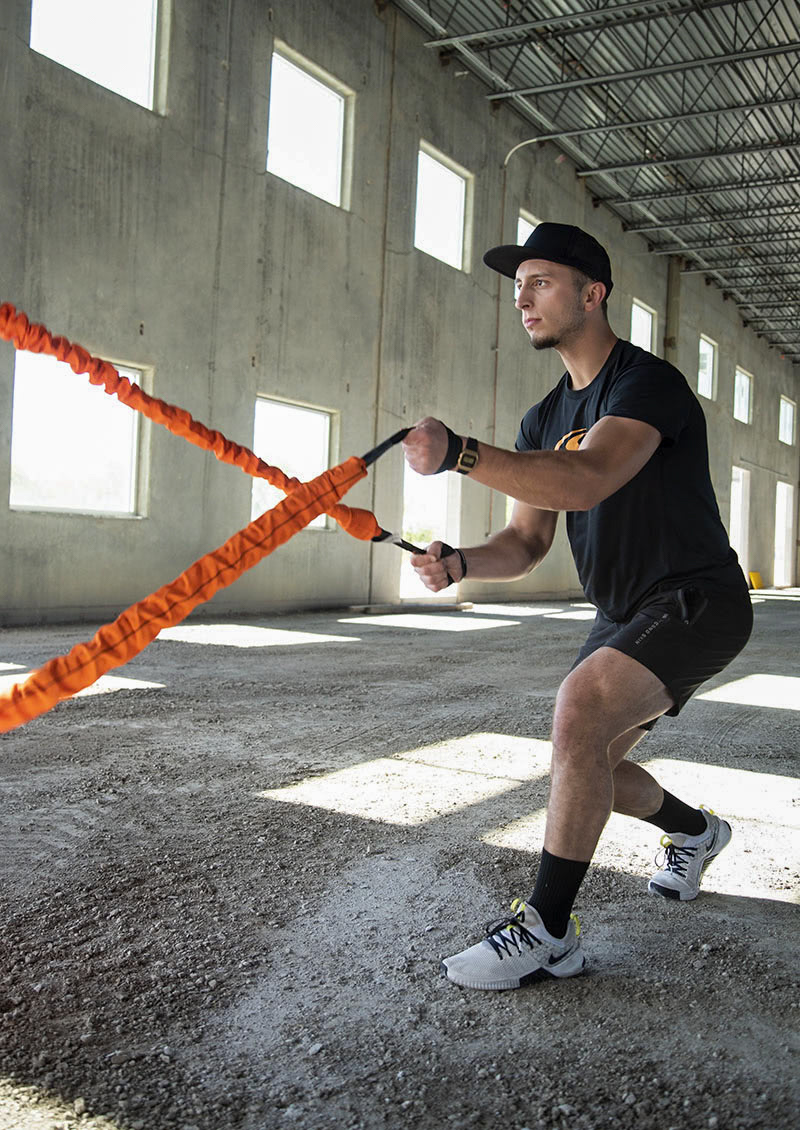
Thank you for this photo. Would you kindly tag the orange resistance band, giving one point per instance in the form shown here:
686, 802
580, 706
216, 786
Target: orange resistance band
116, 643
34, 338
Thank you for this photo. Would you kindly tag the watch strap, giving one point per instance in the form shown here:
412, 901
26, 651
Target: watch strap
468, 458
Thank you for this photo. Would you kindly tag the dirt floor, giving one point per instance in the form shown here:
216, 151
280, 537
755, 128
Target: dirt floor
229, 880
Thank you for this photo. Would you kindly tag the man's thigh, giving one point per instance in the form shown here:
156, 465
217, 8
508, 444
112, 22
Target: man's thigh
683, 636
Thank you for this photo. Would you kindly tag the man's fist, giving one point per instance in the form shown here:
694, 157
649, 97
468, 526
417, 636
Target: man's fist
437, 572
427, 446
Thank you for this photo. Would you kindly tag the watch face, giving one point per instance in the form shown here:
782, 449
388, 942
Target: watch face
468, 459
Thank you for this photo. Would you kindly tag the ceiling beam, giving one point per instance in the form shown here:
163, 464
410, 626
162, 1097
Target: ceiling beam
765, 239
750, 288
701, 190
648, 72
737, 265
666, 119
700, 155
768, 211
589, 18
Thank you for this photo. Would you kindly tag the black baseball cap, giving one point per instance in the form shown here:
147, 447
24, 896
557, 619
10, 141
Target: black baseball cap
556, 243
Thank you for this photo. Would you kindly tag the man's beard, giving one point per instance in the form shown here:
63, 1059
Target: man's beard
553, 340
545, 342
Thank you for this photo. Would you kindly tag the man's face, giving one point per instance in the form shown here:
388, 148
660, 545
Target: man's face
551, 303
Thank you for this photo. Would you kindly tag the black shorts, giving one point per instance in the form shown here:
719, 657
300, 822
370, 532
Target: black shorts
683, 635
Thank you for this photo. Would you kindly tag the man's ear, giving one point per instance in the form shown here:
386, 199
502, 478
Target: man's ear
594, 295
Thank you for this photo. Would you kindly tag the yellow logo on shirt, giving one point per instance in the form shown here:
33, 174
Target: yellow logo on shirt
571, 441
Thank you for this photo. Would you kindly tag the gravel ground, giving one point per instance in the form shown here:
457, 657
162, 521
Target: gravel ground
228, 883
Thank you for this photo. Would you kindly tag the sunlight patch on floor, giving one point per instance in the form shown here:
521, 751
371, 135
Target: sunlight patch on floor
431, 622
24, 1107
11, 667
781, 692
245, 635
106, 684
762, 809
427, 783
515, 609
735, 793
576, 614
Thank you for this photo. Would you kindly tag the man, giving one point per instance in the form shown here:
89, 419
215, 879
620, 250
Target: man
620, 445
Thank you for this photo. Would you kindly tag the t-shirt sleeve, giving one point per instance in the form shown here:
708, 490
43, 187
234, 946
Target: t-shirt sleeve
657, 395
528, 438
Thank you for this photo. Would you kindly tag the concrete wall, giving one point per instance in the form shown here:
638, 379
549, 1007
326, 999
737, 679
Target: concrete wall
160, 240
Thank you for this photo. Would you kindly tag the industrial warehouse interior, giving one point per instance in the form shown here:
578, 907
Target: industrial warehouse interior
258, 780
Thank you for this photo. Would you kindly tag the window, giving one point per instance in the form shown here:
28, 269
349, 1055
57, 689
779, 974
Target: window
707, 368
525, 225
786, 420
739, 526
441, 209
295, 438
310, 119
73, 447
783, 572
431, 505
643, 325
742, 388
114, 45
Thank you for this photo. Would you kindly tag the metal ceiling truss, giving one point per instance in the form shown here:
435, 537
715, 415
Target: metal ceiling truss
657, 102
646, 72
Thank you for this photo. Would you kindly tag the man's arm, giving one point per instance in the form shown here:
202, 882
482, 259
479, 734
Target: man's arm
505, 556
611, 453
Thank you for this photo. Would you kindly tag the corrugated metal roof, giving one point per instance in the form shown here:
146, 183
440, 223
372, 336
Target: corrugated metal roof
683, 116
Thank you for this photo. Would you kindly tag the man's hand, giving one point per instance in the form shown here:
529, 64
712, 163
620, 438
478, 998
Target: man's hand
426, 446
437, 572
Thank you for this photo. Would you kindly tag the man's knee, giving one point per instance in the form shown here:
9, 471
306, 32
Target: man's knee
579, 721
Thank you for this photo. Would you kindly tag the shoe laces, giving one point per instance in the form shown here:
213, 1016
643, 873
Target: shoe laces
675, 859
510, 931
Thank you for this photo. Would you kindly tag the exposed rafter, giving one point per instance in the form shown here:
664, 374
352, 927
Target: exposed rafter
684, 158
611, 77
673, 223
573, 22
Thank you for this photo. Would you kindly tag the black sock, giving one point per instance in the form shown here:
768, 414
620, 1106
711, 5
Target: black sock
675, 816
557, 885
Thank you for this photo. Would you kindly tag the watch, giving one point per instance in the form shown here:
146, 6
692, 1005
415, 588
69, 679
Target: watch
469, 458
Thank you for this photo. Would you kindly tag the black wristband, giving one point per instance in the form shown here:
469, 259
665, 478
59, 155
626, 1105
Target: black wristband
453, 451
448, 551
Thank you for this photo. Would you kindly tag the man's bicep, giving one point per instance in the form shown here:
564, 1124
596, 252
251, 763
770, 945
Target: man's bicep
618, 447
535, 527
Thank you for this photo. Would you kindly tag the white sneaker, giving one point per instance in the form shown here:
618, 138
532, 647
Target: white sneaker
685, 858
517, 951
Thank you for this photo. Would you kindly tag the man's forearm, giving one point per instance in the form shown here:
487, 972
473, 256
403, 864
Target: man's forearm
549, 480
503, 557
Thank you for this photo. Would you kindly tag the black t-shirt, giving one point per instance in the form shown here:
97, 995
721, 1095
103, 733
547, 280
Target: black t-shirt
661, 528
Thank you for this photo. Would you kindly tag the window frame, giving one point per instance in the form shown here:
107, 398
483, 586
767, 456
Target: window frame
139, 456
326, 522
159, 58
324, 78
793, 405
468, 178
637, 302
526, 217
714, 367
740, 372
